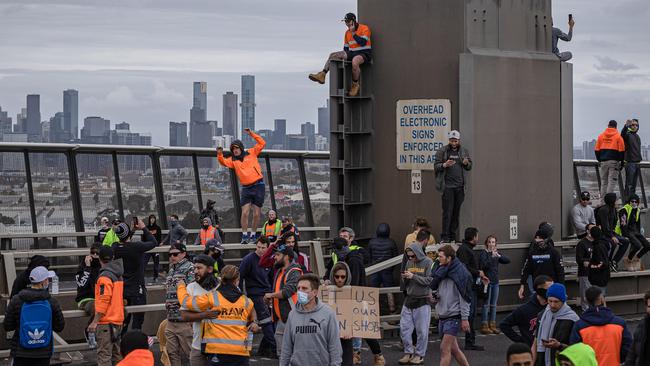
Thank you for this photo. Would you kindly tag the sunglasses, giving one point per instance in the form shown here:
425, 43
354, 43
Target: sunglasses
410, 256
175, 254
340, 277
94, 253
634, 201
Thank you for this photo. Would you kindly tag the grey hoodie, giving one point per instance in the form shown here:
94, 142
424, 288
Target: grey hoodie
419, 285
311, 338
113, 270
348, 274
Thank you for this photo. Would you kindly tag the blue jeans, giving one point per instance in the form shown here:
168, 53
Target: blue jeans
265, 322
490, 305
631, 177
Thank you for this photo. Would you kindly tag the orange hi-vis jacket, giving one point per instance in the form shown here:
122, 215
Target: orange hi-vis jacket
610, 146
227, 333
351, 44
109, 293
207, 234
248, 170
138, 357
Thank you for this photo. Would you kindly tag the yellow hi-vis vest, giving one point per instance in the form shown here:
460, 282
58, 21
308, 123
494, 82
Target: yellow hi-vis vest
335, 257
227, 333
628, 213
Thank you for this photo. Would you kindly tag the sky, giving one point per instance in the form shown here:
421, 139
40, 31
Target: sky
135, 60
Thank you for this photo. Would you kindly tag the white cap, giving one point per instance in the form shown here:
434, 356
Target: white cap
454, 134
40, 274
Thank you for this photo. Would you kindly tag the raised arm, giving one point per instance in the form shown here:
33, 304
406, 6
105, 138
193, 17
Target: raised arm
260, 143
223, 161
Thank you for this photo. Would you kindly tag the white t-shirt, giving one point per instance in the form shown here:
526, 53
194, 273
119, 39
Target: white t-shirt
194, 289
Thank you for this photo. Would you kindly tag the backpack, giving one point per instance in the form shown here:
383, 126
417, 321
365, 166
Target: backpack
35, 324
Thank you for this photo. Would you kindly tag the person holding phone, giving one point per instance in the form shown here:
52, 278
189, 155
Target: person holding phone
247, 167
557, 35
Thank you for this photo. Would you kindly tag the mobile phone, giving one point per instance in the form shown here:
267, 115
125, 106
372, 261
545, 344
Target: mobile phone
135, 220
570, 17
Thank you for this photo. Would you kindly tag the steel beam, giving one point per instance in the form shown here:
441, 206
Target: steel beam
197, 181
75, 195
158, 185
269, 178
30, 194
118, 186
309, 215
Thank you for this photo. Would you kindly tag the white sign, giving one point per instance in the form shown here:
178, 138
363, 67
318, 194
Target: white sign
422, 128
416, 181
514, 227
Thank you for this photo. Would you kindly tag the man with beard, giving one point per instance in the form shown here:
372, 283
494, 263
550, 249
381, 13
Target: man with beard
86, 279
177, 332
207, 232
283, 298
290, 240
257, 283
639, 354
205, 282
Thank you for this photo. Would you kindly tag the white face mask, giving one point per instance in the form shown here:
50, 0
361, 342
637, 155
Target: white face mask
303, 298
635, 205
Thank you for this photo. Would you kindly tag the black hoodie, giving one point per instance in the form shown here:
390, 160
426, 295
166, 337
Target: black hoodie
12, 321
524, 318
542, 259
86, 278
606, 216
240, 145
22, 280
382, 247
600, 257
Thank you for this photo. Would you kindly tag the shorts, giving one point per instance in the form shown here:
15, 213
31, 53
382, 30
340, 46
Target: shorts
450, 326
367, 57
253, 194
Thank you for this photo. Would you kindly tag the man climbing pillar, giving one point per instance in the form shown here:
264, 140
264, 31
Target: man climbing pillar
356, 48
248, 170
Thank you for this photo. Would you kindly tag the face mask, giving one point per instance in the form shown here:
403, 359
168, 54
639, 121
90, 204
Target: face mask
303, 298
205, 227
635, 205
541, 292
173, 222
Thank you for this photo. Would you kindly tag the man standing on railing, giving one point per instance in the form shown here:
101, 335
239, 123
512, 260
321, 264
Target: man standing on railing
630, 135
610, 152
248, 170
177, 333
357, 49
132, 252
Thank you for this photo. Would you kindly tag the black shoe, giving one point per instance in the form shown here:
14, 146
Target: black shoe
613, 267
474, 347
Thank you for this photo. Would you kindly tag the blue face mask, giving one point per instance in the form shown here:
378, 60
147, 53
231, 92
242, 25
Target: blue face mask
303, 298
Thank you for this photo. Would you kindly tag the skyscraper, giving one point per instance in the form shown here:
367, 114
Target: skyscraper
95, 130
247, 105
5, 123
21, 121
33, 125
177, 133
71, 113
308, 130
324, 120
230, 114
199, 110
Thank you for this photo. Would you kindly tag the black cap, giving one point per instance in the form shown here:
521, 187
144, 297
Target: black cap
284, 250
204, 259
178, 246
585, 196
105, 253
350, 17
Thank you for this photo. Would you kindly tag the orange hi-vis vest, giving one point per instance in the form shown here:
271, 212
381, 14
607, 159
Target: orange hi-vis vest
272, 229
207, 234
362, 31
227, 333
279, 284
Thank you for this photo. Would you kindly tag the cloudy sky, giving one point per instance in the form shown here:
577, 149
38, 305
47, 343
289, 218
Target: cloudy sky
135, 60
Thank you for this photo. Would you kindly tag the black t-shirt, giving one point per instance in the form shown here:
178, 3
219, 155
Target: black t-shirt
454, 173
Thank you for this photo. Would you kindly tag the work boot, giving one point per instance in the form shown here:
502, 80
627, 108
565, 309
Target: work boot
354, 89
638, 266
356, 358
379, 360
494, 329
628, 264
417, 360
485, 329
318, 77
406, 360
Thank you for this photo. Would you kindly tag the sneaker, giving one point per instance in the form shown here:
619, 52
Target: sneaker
613, 267
252, 239
244, 238
354, 89
356, 357
417, 360
474, 347
406, 360
318, 77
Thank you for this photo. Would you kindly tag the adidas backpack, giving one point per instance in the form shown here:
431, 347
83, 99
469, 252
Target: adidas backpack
35, 324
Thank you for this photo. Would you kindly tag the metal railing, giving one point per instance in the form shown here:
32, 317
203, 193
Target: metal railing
586, 177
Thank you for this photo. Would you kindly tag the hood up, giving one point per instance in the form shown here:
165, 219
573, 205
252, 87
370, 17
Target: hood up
383, 230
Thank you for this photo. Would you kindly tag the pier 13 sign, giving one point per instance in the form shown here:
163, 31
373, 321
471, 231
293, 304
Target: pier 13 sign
422, 128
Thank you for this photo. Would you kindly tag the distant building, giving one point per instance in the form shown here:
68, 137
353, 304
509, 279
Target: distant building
588, 149
279, 133
309, 131
247, 105
5, 123
215, 127
177, 137
296, 142
33, 123
71, 113
267, 135
577, 153
199, 111
321, 143
324, 120
55, 129
122, 135
95, 130
229, 114
21, 121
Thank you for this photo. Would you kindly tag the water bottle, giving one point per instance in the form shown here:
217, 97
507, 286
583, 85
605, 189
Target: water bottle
249, 342
55, 285
92, 340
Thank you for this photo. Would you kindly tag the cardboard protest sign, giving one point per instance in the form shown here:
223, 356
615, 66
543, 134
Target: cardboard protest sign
356, 308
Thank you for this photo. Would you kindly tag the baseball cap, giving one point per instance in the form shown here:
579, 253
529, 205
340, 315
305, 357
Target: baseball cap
105, 253
178, 246
585, 196
204, 259
40, 274
284, 249
215, 245
349, 17
454, 134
